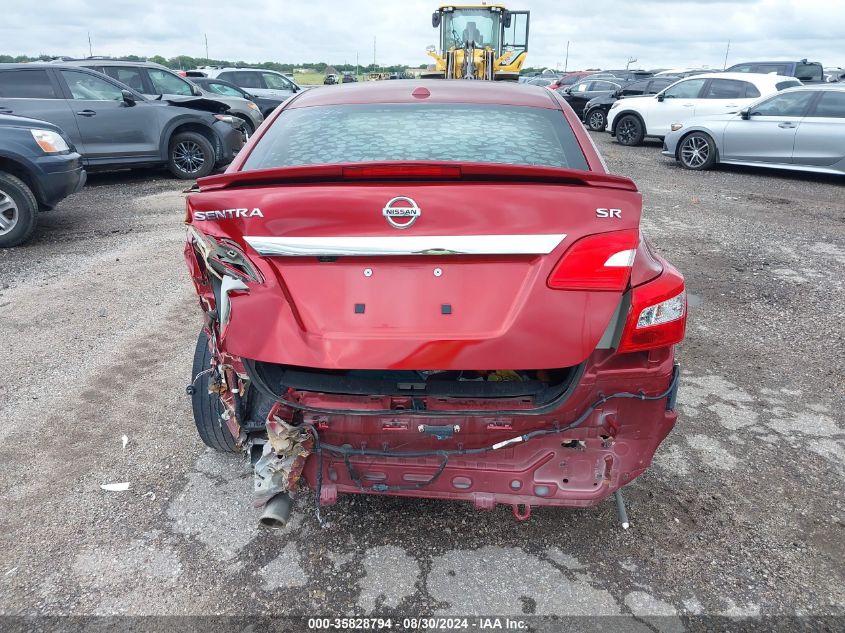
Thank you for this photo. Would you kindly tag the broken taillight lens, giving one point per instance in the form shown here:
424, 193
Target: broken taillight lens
658, 315
597, 262
223, 257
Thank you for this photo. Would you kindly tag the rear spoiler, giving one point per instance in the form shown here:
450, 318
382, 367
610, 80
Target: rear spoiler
418, 170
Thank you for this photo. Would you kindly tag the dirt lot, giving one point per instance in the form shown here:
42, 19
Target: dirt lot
741, 514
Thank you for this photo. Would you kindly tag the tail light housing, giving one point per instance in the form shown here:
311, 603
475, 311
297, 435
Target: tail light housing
597, 262
658, 314
223, 256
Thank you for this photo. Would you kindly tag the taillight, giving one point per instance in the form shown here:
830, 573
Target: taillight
597, 262
658, 315
223, 256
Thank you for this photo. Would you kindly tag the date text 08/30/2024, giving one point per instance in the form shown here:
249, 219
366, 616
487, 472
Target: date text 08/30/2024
417, 623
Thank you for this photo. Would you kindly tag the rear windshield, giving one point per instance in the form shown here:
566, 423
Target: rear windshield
408, 132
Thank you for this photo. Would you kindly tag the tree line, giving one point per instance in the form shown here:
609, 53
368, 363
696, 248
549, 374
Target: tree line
185, 62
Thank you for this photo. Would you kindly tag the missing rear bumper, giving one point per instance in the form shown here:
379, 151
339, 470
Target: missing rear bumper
574, 470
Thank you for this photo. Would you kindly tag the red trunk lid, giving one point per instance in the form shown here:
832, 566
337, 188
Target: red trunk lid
463, 287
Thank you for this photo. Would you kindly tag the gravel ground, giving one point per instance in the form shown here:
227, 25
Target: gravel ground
741, 513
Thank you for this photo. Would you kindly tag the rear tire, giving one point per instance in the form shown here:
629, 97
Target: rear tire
697, 151
596, 120
190, 156
630, 131
18, 211
206, 406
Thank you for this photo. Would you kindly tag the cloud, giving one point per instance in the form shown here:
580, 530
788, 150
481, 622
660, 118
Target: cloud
655, 32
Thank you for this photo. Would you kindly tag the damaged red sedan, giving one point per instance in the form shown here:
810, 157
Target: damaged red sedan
430, 289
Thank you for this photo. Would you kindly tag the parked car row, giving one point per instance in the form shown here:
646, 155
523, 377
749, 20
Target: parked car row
221, 87
800, 128
803, 70
596, 109
153, 80
739, 118
632, 120
256, 81
60, 119
347, 77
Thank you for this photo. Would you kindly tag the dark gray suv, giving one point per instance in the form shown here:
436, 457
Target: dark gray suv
153, 80
113, 126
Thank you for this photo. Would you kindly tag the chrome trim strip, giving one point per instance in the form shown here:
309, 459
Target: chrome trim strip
406, 245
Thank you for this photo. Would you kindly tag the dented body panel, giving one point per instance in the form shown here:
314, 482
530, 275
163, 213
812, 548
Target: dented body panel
402, 326
579, 467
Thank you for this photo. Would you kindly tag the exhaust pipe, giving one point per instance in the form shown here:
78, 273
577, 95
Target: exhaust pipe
276, 512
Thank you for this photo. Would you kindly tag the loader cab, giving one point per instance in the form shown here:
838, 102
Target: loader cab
489, 27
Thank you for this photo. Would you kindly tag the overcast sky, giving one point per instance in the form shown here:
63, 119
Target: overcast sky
659, 33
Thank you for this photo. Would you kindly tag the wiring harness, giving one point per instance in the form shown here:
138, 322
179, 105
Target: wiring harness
346, 452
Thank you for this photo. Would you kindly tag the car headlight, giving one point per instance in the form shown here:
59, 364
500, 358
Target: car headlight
49, 141
615, 105
676, 126
251, 105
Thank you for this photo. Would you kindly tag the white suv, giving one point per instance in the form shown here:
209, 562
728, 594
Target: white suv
631, 120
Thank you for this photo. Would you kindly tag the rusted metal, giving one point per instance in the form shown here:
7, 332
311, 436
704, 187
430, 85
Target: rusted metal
283, 458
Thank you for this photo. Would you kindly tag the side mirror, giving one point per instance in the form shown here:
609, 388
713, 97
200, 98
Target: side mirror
617, 93
196, 91
660, 97
128, 97
435, 19
745, 113
506, 19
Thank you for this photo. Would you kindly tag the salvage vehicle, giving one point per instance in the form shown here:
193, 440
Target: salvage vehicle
632, 120
114, 127
39, 167
157, 81
799, 129
456, 303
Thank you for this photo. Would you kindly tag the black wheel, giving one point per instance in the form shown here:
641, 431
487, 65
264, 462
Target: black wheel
207, 406
18, 211
629, 130
697, 151
190, 156
596, 119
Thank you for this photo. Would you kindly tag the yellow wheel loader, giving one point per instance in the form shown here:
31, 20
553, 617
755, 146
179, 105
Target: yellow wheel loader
479, 41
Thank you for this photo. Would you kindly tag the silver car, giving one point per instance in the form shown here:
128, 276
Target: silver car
799, 128
256, 81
